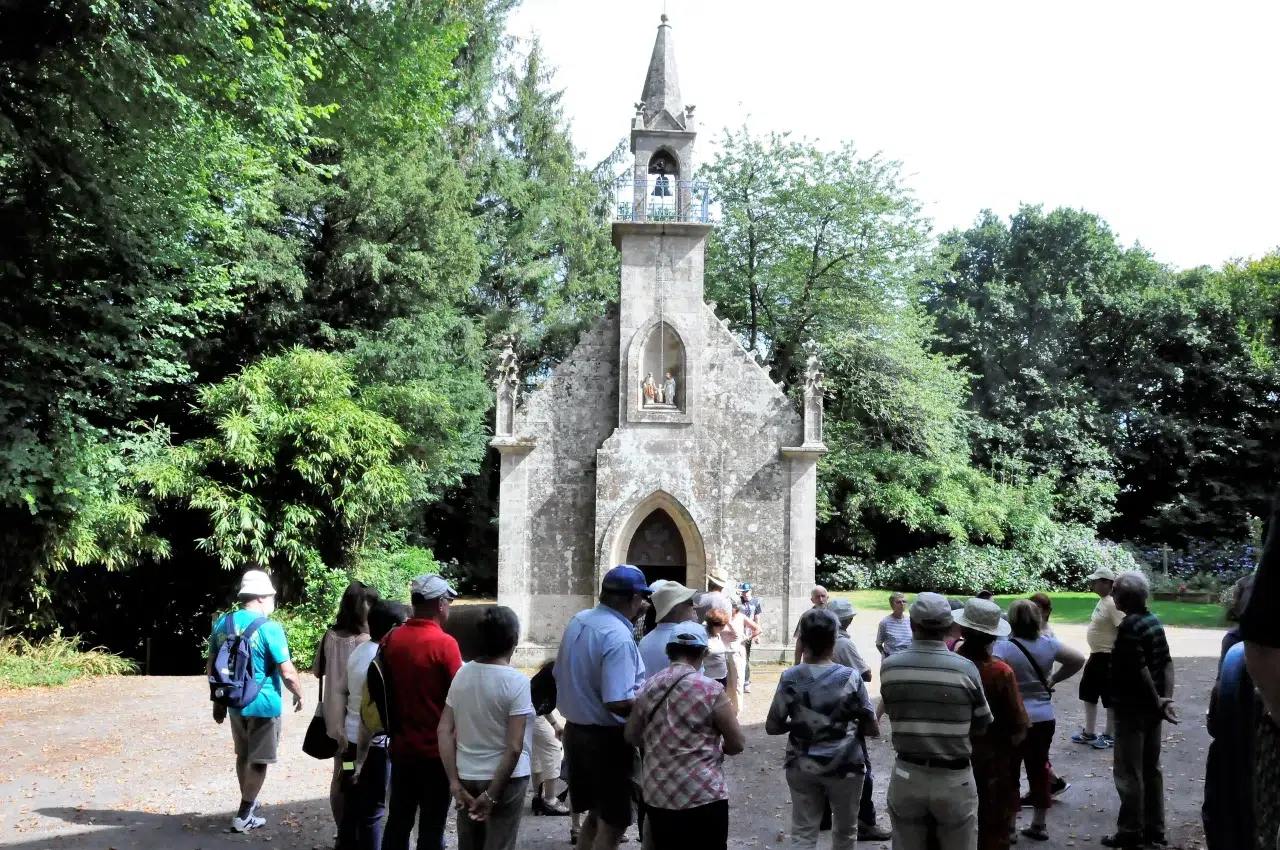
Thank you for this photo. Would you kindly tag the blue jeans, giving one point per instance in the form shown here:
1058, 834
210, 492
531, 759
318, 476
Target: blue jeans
419, 790
364, 803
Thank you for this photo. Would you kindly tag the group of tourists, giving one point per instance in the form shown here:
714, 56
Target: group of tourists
966, 688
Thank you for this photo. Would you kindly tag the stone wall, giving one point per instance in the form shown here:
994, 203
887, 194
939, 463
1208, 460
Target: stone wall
549, 575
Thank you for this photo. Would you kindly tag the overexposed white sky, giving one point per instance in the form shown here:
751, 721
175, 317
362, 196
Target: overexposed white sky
1162, 117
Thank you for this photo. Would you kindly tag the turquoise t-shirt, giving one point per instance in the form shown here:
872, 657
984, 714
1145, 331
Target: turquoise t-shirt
268, 642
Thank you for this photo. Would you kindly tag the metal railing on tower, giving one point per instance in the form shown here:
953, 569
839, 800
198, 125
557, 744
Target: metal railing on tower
659, 197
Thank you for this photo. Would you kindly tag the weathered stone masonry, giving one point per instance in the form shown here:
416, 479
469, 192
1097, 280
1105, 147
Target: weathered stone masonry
593, 471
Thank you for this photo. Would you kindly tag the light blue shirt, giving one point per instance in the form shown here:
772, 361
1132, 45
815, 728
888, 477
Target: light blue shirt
653, 646
269, 649
598, 663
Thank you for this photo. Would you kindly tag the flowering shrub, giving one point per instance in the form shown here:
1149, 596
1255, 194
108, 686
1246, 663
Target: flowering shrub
1213, 565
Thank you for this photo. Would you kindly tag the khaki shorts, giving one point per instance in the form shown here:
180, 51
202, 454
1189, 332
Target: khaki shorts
257, 739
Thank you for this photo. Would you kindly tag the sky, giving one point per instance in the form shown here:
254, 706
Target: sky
1160, 117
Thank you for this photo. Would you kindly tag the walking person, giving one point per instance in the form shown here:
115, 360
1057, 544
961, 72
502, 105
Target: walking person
1031, 654
818, 598
684, 725
846, 653
1142, 690
894, 632
350, 629
255, 728
419, 661
825, 711
1095, 683
935, 703
995, 753
365, 792
598, 673
751, 609
674, 611
486, 737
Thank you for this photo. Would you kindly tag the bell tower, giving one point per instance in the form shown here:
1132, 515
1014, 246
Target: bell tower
661, 227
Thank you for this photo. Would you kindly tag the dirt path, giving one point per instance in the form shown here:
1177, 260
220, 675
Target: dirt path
136, 763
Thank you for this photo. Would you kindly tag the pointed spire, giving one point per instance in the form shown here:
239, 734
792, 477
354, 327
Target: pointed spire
662, 83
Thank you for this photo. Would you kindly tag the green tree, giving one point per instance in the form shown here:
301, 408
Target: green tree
300, 465
811, 242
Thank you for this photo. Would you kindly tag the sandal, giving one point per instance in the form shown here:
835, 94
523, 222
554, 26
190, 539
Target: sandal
1038, 831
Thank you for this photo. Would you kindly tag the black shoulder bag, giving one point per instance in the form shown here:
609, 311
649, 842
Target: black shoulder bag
317, 743
1034, 666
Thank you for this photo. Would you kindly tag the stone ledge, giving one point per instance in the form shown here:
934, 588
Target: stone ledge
809, 451
514, 445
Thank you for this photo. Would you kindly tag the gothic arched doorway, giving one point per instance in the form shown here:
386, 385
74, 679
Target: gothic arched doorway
657, 548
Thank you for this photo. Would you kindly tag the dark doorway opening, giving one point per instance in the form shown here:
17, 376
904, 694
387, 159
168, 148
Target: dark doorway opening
658, 549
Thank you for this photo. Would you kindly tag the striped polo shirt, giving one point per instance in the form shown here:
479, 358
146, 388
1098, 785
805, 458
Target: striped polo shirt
934, 699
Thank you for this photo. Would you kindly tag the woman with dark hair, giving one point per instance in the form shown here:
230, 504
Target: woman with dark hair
1045, 604
350, 629
1031, 653
684, 724
995, 752
822, 707
485, 736
365, 789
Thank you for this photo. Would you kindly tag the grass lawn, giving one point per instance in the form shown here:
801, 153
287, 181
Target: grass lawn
1070, 608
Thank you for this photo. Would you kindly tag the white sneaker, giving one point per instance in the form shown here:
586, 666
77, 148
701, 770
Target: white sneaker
252, 822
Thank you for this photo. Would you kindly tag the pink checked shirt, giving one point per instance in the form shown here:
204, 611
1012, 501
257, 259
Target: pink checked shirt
683, 756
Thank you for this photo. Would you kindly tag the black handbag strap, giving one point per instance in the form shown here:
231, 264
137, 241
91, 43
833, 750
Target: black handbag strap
1034, 666
653, 712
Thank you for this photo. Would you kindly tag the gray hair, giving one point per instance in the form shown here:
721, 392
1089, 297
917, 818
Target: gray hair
1132, 585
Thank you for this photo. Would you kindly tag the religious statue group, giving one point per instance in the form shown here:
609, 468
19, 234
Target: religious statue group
655, 393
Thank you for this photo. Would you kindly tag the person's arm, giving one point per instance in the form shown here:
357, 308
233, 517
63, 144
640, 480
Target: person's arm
483, 804
775, 722
799, 654
621, 670
752, 628
634, 730
882, 634
869, 726
725, 721
289, 674
1070, 661
219, 710
446, 733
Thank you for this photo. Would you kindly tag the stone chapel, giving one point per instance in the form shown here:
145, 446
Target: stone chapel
659, 441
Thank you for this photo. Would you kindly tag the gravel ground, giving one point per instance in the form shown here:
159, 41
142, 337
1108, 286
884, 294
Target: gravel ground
137, 763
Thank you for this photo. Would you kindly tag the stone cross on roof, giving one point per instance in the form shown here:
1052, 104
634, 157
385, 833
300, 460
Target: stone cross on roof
661, 95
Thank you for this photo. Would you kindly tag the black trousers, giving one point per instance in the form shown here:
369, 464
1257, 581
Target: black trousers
704, 827
419, 790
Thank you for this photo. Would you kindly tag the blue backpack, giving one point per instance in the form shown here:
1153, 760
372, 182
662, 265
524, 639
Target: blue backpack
231, 681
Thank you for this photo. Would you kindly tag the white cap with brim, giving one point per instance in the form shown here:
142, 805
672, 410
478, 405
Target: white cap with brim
256, 583
428, 587
1103, 574
982, 615
671, 594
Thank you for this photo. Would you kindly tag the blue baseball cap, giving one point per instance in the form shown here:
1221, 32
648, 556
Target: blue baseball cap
692, 637
625, 578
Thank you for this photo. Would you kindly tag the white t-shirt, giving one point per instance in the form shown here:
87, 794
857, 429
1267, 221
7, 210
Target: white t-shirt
357, 673
1103, 624
715, 665
483, 697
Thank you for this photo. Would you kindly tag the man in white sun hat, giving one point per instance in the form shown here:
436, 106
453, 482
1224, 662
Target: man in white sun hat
255, 727
673, 608
1095, 683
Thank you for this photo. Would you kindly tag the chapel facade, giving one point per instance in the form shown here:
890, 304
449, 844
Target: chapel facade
659, 441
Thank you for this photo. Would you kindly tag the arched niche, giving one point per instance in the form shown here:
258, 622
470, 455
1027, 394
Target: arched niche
633, 516
663, 381
657, 548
